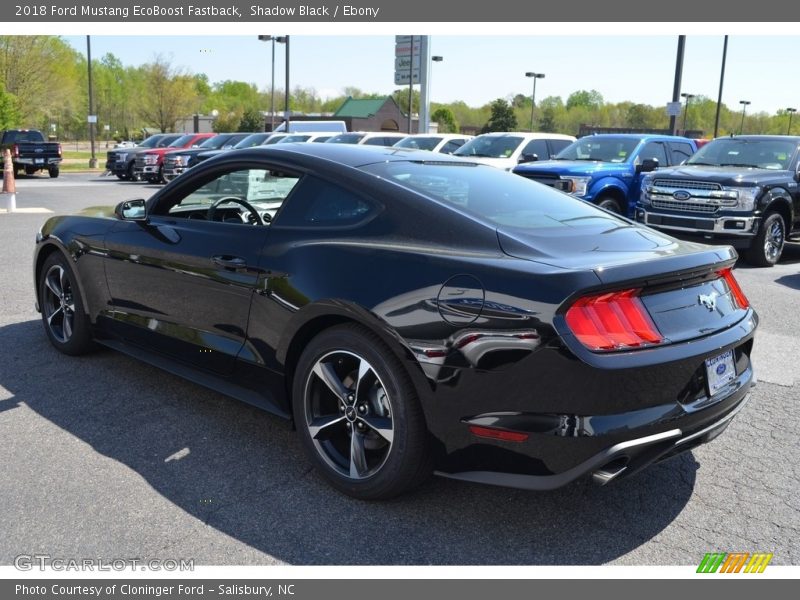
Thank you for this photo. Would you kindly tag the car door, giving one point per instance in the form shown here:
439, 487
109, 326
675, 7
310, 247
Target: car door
181, 282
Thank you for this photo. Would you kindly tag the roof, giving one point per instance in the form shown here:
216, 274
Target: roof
361, 108
530, 136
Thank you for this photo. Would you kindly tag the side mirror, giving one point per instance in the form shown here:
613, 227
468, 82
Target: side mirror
131, 210
797, 172
647, 165
525, 158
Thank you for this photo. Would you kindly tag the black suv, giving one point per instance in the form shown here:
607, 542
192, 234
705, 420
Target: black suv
739, 190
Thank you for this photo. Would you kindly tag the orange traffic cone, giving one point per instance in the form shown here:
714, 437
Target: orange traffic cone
9, 185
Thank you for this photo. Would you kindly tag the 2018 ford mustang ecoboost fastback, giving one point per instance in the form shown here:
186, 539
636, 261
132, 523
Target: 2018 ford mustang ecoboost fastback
412, 312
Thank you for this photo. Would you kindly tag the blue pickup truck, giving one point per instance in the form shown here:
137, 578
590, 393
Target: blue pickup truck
607, 169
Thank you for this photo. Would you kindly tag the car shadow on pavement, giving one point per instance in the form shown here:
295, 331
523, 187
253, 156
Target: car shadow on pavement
243, 473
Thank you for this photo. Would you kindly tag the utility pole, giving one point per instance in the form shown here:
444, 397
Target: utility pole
676, 88
721, 81
92, 117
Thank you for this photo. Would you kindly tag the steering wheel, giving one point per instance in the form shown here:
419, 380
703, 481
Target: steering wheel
212, 210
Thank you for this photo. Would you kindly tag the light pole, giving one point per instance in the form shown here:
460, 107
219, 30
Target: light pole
686, 109
280, 40
791, 112
434, 59
744, 104
535, 76
92, 118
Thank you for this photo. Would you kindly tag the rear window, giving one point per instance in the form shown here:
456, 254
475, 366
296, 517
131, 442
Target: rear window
12, 137
505, 199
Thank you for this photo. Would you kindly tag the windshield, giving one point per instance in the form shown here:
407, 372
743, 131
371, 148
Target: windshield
215, 143
275, 138
739, 152
254, 139
151, 141
166, 141
601, 149
182, 141
491, 146
346, 138
418, 143
297, 137
506, 200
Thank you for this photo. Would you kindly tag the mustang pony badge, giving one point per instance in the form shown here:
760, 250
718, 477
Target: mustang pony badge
707, 300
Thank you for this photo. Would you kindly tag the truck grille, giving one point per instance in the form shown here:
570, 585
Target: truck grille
684, 206
683, 184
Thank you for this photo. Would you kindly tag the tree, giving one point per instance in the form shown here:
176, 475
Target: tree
592, 100
446, 120
227, 122
401, 97
502, 117
252, 120
171, 94
9, 113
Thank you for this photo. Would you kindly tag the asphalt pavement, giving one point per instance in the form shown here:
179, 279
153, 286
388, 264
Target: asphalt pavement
103, 456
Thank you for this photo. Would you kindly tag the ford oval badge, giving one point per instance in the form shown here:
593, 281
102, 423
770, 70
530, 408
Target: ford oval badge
681, 195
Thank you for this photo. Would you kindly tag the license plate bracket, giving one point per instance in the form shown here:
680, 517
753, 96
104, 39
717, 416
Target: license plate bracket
720, 371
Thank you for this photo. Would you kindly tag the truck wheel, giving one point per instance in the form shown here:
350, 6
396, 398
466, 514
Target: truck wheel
160, 176
609, 204
131, 175
767, 246
122, 177
53, 172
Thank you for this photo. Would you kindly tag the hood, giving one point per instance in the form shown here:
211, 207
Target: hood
735, 176
612, 247
570, 167
209, 153
498, 163
98, 212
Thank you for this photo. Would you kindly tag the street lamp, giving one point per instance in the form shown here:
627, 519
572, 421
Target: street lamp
280, 40
791, 112
435, 59
744, 104
686, 109
535, 76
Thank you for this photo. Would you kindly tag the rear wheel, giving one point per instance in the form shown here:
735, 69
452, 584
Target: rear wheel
358, 416
63, 314
609, 204
767, 246
53, 172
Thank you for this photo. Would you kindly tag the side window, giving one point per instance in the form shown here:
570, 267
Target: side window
319, 203
680, 152
558, 145
537, 147
263, 189
452, 146
654, 150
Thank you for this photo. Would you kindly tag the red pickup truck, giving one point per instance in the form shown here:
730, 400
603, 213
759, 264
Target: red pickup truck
149, 165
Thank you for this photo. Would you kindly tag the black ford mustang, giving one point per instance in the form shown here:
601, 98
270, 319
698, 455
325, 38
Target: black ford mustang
410, 312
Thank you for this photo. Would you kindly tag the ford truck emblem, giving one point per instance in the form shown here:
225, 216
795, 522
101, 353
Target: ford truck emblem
39, 150
681, 195
707, 300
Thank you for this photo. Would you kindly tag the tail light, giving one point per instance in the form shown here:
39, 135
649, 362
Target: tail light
15, 150
737, 293
495, 433
612, 321
59, 149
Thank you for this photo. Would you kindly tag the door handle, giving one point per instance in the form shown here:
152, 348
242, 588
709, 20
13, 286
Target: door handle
229, 262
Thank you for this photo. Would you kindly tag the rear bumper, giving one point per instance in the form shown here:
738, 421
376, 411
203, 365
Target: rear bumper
41, 163
627, 457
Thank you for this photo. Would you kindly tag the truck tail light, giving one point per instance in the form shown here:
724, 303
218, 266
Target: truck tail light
59, 149
15, 150
612, 321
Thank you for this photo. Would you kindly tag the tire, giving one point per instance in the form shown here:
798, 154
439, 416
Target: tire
767, 246
122, 177
53, 172
370, 442
610, 204
130, 173
63, 316
160, 176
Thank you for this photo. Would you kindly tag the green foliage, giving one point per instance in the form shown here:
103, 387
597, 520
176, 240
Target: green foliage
9, 111
446, 120
582, 98
401, 97
502, 117
170, 94
252, 120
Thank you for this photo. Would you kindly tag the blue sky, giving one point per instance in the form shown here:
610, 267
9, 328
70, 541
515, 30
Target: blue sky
478, 69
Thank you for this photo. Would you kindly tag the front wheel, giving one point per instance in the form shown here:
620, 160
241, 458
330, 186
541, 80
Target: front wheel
358, 415
609, 204
63, 315
767, 246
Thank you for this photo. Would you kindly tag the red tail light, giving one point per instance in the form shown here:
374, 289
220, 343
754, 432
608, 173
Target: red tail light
15, 150
737, 293
493, 433
612, 321
59, 149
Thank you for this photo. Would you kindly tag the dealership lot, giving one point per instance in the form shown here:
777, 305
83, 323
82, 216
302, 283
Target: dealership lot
105, 456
